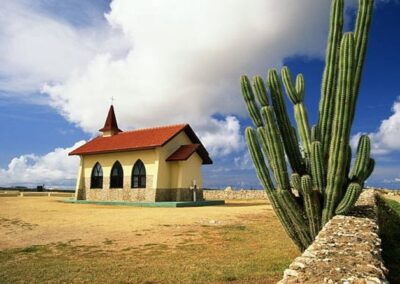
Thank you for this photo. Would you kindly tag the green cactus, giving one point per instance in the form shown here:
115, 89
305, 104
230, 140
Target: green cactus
362, 159
349, 199
321, 184
340, 136
330, 74
311, 205
295, 181
290, 142
317, 166
248, 96
296, 95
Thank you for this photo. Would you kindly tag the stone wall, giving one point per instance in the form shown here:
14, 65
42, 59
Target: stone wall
123, 194
347, 250
34, 193
229, 194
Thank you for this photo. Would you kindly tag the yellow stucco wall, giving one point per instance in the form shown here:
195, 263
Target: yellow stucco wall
190, 170
166, 170
80, 181
127, 160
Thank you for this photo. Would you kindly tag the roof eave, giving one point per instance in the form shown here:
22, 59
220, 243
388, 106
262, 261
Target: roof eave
74, 153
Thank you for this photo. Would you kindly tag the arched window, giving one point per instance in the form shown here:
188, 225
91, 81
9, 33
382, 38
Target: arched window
117, 176
138, 175
96, 179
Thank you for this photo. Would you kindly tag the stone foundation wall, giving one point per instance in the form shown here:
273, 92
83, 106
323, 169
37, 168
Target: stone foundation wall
136, 194
347, 250
123, 194
177, 194
229, 194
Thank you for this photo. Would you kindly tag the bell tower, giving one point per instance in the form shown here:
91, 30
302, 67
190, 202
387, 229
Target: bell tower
110, 126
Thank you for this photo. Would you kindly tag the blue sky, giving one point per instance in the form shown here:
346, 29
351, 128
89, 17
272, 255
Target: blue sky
61, 61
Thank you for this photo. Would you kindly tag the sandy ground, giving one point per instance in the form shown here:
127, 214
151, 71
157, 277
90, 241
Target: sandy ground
25, 221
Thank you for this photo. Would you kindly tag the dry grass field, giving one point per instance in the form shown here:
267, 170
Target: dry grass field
43, 240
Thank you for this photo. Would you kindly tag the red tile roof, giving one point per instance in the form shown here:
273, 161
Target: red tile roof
183, 153
141, 139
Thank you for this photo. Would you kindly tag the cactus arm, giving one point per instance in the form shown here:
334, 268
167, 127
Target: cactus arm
317, 166
258, 159
352, 193
311, 205
300, 86
265, 145
282, 118
248, 96
341, 129
362, 159
301, 118
368, 171
290, 89
276, 149
261, 91
328, 88
363, 23
296, 95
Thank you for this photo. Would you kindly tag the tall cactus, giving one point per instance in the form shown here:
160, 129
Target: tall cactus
322, 183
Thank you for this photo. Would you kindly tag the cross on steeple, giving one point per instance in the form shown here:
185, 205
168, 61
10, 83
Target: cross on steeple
112, 100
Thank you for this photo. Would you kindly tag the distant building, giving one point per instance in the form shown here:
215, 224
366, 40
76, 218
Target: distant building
152, 164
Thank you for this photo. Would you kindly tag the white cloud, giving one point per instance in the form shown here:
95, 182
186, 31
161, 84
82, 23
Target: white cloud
52, 169
184, 63
222, 136
386, 139
37, 48
244, 162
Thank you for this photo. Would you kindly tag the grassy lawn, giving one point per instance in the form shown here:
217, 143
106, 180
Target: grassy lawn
389, 219
48, 241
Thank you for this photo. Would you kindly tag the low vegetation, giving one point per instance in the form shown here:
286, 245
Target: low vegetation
239, 243
389, 223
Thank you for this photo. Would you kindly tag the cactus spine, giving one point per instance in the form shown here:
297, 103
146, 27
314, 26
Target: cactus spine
321, 184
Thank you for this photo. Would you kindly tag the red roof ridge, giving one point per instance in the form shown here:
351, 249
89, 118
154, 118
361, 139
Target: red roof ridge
156, 127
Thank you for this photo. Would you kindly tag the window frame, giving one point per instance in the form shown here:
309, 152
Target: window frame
118, 180
138, 180
96, 181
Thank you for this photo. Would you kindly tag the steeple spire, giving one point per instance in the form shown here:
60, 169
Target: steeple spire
110, 126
